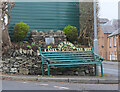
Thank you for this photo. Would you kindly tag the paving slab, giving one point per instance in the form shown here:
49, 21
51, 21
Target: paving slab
70, 79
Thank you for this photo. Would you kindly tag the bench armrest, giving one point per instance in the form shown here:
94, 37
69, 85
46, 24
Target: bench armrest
101, 58
97, 57
44, 57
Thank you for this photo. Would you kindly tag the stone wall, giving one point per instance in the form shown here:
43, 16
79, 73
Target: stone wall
24, 60
21, 61
38, 37
29, 62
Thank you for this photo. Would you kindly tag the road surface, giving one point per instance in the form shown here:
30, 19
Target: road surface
111, 69
21, 85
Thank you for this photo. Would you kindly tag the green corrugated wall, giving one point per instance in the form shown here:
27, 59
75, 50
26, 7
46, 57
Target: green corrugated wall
44, 16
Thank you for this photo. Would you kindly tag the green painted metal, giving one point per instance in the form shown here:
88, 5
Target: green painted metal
101, 69
44, 16
78, 63
59, 60
69, 54
62, 56
69, 58
66, 51
48, 70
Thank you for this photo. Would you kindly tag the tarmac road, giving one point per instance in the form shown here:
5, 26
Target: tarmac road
21, 85
111, 68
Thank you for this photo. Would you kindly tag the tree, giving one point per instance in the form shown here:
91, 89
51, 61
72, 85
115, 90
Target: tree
86, 36
5, 11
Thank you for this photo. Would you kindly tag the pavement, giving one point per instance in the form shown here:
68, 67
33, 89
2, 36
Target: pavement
69, 79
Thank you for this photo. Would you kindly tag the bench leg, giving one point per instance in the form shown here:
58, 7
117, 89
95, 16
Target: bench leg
42, 70
48, 70
101, 70
95, 70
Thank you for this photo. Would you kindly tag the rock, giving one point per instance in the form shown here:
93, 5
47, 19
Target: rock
87, 71
31, 52
35, 66
27, 52
38, 52
24, 51
14, 54
41, 33
81, 73
34, 53
13, 70
24, 71
34, 32
16, 66
20, 51
19, 58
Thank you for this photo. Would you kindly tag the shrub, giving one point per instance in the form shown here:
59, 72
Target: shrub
71, 33
20, 31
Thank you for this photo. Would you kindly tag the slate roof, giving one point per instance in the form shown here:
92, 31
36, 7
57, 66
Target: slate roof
107, 28
115, 23
103, 20
115, 33
111, 26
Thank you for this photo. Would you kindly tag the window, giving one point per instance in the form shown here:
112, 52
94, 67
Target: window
119, 41
114, 41
110, 42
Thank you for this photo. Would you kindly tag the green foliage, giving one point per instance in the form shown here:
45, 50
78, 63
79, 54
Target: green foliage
33, 44
71, 33
26, 42
21, 43
77, 45
29, 46
20, 31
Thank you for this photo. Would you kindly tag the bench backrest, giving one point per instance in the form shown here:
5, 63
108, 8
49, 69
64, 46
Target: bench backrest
57, 55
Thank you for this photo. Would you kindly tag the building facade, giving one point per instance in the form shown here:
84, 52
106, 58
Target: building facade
114, 46
109, 40
103, 43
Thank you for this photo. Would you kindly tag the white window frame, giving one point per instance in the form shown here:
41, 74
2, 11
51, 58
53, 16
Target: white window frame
115, 41
110, 42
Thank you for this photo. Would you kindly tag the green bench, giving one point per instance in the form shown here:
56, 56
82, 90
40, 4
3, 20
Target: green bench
58, 57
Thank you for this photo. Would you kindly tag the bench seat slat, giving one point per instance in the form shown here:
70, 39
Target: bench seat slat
55, 64
69, 56
65, 52
70, 60
72, 65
